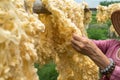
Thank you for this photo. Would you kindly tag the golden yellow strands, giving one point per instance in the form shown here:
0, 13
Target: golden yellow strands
17, 44
104, 13
24, 41
112, 31
67, 17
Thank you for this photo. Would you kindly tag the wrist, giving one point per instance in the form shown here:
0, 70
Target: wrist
100, 60
109, 69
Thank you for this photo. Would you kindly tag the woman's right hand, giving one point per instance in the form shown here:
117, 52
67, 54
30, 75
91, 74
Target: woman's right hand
84, 45
87, 47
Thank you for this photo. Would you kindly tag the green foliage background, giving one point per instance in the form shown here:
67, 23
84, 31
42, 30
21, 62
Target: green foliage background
98, 30
107, 3
47, 71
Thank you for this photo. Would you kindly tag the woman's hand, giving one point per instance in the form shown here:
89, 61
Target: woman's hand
84, 45
87, 47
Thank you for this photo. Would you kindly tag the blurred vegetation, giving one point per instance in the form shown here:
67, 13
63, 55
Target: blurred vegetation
98, 30
107, 3
47, 71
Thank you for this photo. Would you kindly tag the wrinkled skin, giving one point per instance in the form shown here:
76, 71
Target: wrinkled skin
87, 47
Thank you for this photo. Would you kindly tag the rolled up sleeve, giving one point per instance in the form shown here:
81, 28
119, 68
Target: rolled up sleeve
116, 74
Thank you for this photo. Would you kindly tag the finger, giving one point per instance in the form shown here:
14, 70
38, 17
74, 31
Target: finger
76, 37
75, 47
77, 43
83, 40
79, 38
84, 36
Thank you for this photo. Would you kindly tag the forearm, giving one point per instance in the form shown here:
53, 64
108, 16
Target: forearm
103, 62
100, 59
